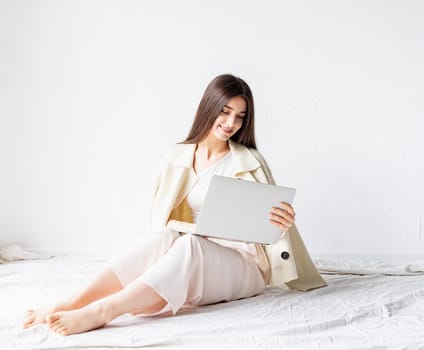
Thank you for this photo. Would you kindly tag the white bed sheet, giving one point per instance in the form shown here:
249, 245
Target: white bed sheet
353, 312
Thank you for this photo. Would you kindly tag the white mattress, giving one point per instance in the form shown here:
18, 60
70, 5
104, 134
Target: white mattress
353, 312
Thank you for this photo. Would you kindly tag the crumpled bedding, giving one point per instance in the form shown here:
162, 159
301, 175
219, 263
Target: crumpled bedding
362, 266
372, 311
14, 253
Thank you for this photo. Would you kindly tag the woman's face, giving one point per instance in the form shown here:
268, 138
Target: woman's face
230, 120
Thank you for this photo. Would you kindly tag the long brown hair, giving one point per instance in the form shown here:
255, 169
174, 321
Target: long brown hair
217, 94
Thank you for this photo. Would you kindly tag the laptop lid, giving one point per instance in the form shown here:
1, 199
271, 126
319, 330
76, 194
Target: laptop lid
238, 210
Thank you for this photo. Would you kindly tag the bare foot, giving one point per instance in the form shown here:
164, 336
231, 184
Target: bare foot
34, 317
78, 321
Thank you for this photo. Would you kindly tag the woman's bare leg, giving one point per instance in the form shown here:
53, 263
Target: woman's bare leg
142, 254
104, 284
136, 297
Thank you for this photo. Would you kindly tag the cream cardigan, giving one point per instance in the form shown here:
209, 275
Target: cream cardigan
174, 181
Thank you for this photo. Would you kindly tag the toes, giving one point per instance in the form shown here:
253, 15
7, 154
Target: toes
32, 318
28, 324
58, 327
63, 331
55, 323
55, 326
29, 321
51, 318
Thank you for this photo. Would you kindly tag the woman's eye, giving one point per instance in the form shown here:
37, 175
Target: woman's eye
225, 112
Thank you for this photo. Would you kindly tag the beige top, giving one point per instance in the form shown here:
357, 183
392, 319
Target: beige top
197, 194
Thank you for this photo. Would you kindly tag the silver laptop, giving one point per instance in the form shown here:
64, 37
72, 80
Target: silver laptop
238, 210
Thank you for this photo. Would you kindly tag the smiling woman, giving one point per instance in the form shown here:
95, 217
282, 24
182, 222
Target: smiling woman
172, 270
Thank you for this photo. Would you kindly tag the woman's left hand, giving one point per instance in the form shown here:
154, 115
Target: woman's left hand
283, 216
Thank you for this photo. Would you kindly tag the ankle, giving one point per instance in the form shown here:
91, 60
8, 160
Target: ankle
74, 303
104, 311
65, 306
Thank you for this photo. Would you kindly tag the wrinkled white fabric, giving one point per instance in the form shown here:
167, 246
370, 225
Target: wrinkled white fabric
369, 267
15, 252
353, 312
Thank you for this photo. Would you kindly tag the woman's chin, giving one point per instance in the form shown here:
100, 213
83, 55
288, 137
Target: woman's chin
222, 137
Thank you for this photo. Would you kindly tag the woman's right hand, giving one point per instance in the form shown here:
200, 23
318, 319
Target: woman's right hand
283, 216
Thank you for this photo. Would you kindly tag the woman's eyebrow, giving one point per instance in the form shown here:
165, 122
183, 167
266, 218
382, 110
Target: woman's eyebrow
244, 112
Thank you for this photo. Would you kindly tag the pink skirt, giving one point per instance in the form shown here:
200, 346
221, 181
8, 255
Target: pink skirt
188, 270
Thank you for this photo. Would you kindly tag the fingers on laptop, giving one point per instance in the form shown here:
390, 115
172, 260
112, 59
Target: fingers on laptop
283, 216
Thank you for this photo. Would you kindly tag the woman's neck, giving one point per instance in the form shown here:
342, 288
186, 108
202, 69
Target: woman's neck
212, 148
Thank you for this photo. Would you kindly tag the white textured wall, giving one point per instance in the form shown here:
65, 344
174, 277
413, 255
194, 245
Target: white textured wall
93, 92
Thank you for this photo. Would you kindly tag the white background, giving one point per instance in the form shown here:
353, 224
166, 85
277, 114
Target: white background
93, 92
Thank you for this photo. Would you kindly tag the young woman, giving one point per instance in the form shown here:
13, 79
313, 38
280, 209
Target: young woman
171, 270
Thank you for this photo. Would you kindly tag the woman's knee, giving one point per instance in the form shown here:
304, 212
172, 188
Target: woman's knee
189, 246
190, 240
163, 238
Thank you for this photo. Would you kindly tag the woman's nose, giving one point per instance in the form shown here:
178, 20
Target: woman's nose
230, 120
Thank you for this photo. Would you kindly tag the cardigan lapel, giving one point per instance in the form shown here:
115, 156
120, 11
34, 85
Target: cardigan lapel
185, 156
184, 175
244, 160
